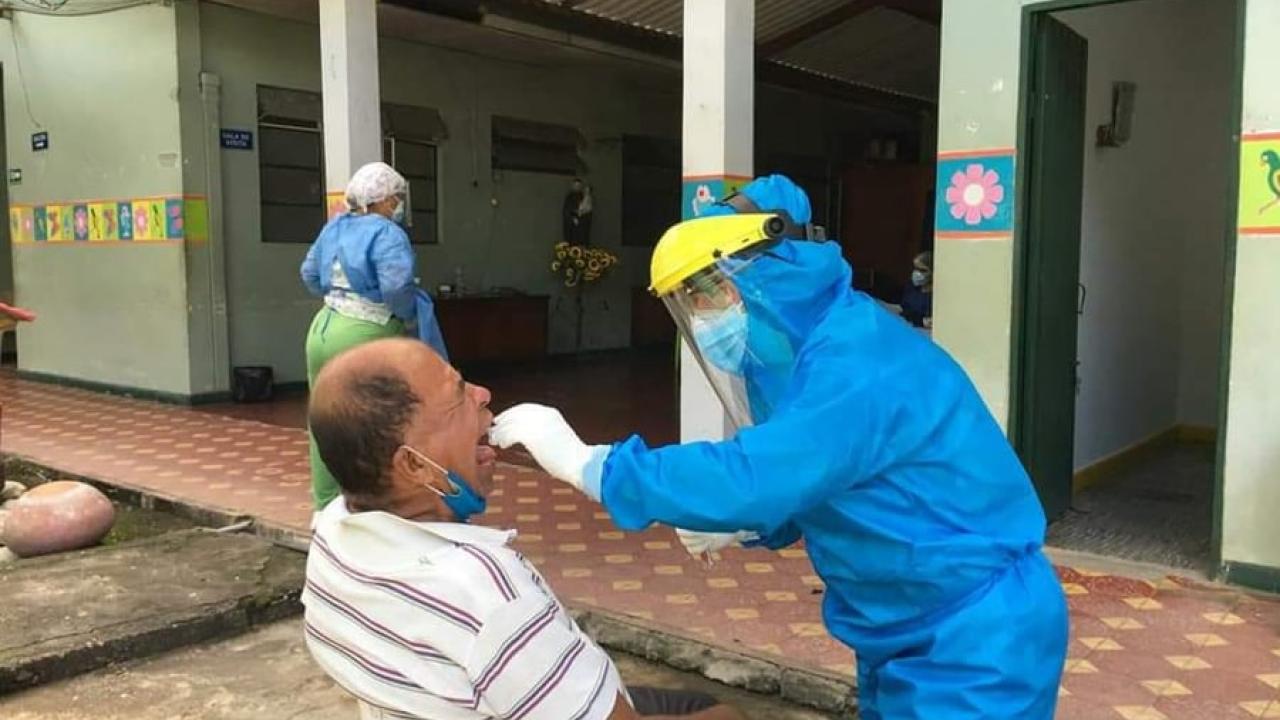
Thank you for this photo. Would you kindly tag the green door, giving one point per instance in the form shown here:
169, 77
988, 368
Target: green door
1054, 145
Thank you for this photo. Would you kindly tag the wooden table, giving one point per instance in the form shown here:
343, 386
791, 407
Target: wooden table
489, 328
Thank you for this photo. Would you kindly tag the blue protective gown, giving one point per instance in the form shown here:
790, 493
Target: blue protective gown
874, 447
378, 260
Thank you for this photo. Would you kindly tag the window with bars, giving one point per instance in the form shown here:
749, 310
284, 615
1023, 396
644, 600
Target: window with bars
530, 146
417, 162
291, 164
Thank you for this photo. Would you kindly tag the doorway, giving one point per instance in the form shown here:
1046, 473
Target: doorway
1128, 179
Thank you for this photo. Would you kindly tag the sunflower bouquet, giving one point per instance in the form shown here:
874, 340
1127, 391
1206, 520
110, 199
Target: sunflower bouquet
577, 264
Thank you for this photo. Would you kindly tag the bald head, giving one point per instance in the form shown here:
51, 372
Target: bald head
363, 401
396, 356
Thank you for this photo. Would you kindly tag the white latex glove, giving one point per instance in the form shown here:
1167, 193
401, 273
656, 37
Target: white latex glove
704, 544
544, 433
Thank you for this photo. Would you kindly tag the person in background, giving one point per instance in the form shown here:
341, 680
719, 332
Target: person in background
363, 266
413, 610
917, 299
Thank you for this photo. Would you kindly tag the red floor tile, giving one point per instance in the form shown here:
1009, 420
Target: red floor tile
1131, 639
1199, 708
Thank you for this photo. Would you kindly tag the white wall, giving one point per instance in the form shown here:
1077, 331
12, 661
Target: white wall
109, 313
507, 245
1251, 494
1154, 222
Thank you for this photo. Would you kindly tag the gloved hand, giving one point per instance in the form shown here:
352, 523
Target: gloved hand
704, 543
554, 445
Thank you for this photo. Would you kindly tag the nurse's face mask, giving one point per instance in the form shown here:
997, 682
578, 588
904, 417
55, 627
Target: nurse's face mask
719, 313
399, 213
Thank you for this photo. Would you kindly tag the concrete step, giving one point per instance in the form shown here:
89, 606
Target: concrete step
67, 614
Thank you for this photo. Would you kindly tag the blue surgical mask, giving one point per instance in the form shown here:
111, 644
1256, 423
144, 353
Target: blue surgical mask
721, 337
463, 501
398, 215
919, 278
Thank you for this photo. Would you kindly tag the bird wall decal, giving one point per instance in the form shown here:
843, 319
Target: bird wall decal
1271, 161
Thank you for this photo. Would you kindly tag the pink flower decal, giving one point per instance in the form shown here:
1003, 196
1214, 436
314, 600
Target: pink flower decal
82, 221
975, 194
140, 221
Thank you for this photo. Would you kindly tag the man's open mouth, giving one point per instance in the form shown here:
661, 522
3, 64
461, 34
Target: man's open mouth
485, 456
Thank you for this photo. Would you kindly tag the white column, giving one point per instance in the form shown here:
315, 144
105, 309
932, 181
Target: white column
349, 81
718, 134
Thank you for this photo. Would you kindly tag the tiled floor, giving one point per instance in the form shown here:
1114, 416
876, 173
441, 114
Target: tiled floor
1159, 511
1139, 650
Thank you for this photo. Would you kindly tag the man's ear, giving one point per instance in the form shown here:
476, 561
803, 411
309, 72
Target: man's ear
406, 464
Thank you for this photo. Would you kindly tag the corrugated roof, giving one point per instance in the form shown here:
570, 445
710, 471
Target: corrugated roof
773, 17
879, 47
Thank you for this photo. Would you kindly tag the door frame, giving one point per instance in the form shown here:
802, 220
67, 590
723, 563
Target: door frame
1027, 48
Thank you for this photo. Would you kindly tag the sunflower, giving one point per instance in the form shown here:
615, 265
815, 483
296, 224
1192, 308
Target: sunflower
576, 265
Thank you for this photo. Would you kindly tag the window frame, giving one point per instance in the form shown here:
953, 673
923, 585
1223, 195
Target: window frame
285, 123
389, 145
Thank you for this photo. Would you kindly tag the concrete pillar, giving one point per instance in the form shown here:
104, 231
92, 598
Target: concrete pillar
718, 135
349, 69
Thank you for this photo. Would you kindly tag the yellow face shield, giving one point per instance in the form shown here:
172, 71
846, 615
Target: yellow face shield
698, 270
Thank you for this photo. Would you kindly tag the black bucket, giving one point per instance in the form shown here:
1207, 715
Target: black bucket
252, 383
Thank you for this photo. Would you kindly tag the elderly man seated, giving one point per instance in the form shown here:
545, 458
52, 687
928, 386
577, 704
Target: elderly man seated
415, 612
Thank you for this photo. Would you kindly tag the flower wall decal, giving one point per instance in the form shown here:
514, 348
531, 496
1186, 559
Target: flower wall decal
974, 194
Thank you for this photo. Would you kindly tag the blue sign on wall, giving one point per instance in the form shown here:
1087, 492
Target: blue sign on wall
237, 139
39, 141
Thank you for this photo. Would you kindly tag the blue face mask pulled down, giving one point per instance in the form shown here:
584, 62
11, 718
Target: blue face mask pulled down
464, 502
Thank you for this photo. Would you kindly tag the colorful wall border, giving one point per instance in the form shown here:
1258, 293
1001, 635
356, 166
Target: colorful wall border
335, 203
699, 191
1258, 212
136, 220
975, 194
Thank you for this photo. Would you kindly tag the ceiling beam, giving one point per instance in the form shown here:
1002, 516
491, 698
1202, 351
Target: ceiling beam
929, 11
468, 10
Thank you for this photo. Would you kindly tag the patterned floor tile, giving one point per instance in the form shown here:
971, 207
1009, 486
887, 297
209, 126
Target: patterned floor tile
1174, 647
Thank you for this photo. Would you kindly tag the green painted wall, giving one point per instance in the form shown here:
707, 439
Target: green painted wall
112, 313
1251, 493
208, 364
507, 245
173, 317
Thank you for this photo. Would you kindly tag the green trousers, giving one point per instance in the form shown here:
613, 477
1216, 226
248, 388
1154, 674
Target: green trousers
329, 336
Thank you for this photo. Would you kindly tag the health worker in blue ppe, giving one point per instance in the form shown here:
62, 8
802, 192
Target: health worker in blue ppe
857, 434
361, 264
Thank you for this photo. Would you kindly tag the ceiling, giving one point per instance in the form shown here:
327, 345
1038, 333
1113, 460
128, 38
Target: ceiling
875, 52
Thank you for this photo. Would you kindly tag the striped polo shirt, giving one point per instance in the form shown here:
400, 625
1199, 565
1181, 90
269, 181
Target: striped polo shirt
445, 621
